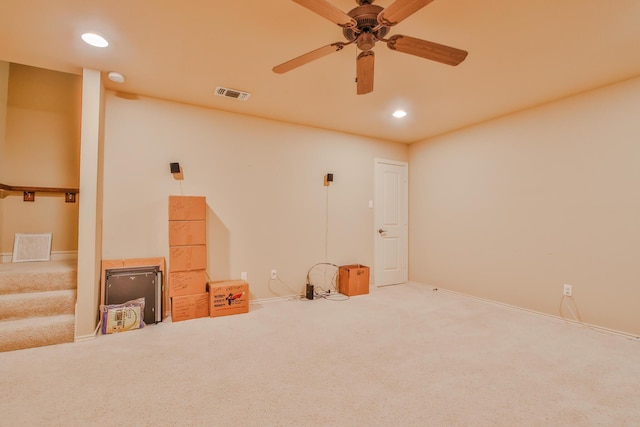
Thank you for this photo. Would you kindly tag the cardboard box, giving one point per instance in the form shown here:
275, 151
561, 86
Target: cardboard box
183, 233
187, 208
189, 307
228, 297
187, 283
187, 258
353, 279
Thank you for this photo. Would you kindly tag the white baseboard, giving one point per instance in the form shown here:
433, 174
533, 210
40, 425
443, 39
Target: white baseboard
539, 313
420, 284
85, 338
274, 299
6, 257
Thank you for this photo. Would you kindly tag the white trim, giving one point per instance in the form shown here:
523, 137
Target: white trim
539, 313
276, 299
85, 338
6, 257
391, 162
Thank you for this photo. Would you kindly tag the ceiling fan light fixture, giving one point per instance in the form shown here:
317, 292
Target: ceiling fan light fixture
95, 40
366, 41
398, 114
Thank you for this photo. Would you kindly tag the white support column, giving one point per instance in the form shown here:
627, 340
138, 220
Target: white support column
90, 199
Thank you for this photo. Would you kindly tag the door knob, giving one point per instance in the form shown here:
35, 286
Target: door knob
381, 231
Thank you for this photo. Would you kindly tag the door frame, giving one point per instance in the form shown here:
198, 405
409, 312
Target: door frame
376, 218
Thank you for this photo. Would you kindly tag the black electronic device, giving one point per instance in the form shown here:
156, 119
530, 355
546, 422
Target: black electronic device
309, 291
175, 167
126, 284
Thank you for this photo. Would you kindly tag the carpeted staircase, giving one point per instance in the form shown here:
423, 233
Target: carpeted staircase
37, 303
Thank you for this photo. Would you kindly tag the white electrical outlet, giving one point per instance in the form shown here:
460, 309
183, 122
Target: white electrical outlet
568, 290
274, 274
243, 276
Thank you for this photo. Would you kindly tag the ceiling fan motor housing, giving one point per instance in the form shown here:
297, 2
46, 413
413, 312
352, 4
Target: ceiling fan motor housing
367, 18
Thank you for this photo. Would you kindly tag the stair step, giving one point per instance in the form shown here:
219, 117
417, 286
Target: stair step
36, 304
36, 332
37, 276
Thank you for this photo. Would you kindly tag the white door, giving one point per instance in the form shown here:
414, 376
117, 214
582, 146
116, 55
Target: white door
391, 217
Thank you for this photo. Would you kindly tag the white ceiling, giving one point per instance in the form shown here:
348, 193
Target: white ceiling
521, 53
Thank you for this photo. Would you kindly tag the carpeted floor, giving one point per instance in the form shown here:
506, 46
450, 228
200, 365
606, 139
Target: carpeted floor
400, 356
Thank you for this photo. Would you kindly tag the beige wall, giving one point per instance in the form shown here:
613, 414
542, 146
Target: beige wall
512, 209
41, 149
263, 181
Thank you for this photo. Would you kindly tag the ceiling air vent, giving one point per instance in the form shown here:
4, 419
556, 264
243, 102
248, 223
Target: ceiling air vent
232, 93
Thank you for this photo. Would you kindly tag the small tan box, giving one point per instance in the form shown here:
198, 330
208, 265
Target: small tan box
353, 279
187, 282
183, 233
189, 307
187, 258
228, 297
187, 208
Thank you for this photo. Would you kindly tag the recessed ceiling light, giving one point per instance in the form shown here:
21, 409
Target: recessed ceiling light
399, 114
114, 76
95, 40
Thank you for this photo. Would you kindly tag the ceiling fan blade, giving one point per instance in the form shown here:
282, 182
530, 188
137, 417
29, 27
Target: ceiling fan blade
364, 72
428, 50
328, 11
399, 10
307, 57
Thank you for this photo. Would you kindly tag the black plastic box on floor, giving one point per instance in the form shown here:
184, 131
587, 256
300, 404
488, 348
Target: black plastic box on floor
126, 284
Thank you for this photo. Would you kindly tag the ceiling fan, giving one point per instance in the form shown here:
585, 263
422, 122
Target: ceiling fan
367, 24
